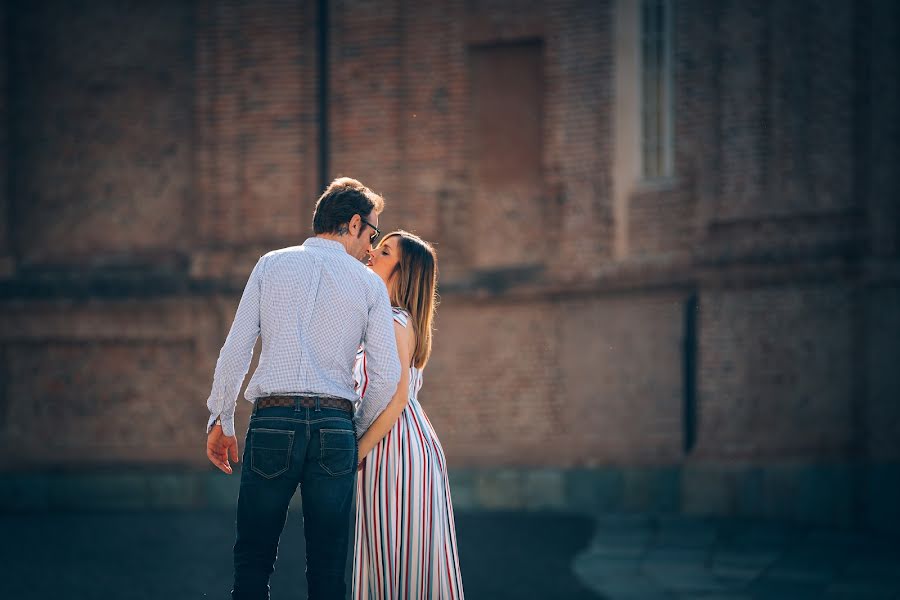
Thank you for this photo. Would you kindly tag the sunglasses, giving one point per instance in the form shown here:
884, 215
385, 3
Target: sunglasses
375, 235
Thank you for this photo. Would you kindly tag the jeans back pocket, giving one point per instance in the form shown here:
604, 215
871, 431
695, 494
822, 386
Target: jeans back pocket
338, 455
270, 451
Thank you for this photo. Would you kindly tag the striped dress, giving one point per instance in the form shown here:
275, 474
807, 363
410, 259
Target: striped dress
405, 542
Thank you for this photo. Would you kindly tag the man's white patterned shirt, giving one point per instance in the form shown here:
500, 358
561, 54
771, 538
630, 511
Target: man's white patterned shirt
314, 305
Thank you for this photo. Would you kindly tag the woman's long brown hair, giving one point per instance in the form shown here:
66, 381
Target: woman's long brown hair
415, 289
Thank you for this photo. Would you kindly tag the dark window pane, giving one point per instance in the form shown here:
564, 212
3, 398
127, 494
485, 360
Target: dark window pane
655, 92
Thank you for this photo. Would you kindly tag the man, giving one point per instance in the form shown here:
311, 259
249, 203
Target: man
313, 305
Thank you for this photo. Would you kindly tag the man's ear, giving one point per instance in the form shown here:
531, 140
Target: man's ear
355, 224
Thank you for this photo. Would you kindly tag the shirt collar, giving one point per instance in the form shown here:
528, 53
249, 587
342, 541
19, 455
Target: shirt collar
318, 242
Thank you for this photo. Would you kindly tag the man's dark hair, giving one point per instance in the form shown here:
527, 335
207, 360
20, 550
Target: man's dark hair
342, 199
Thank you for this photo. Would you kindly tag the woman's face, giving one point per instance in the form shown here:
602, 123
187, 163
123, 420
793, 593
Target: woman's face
383, 259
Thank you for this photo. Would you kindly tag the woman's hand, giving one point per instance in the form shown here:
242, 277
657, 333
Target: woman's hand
362, 450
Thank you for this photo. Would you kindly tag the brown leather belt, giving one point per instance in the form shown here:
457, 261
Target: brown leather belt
304, 401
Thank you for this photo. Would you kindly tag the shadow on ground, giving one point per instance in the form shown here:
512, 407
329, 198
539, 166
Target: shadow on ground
187, 555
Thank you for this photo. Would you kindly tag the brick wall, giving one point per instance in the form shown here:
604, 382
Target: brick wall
368, 87
507, 409
256, 131
880, 149
181, 140
579, 136
5, 250
765, 395
101, 98
574, 382
621, 375
105, 381
878, 132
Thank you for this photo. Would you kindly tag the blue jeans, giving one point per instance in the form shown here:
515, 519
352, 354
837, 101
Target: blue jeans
286, 446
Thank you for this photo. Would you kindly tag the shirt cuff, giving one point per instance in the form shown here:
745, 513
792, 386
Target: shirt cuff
227, 425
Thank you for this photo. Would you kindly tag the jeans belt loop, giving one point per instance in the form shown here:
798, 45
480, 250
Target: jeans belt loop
318, 406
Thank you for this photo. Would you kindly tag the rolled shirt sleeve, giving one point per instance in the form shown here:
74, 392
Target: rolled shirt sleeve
236, 354
382, 362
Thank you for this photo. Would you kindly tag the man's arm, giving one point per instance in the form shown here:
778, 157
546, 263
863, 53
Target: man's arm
236, 354
385, 421
382, 363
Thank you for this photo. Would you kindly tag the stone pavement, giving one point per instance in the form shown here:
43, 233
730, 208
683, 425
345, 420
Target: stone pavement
175, 555
674, 558
186, 555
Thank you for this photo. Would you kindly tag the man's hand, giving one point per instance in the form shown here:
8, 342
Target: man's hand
219, 447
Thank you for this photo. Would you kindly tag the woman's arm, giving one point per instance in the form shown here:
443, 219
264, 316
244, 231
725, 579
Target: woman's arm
385, 421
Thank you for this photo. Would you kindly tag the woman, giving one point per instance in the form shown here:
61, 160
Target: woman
405, 535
